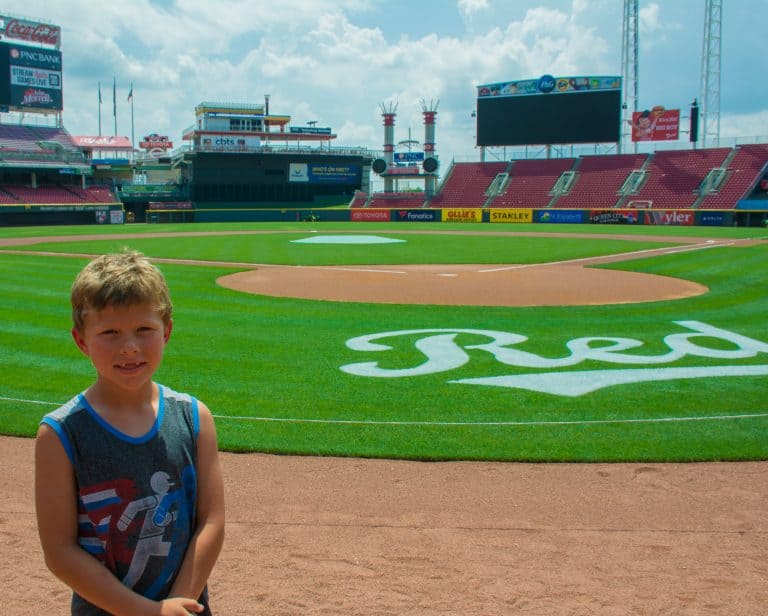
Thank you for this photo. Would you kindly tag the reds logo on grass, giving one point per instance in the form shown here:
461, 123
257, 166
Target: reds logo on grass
443, 353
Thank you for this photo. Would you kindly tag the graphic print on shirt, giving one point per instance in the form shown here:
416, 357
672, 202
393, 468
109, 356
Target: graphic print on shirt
134, 529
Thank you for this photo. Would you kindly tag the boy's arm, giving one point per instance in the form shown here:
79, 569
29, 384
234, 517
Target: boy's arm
56, 507
208, 537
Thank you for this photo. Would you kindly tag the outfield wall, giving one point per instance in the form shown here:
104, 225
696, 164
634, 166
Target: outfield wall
67, 214
61, 214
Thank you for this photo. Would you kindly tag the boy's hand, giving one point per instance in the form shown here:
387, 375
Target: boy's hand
179, 606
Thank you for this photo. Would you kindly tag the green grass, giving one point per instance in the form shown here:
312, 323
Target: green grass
269, 368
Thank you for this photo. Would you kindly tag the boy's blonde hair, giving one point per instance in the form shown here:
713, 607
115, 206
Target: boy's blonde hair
121, 279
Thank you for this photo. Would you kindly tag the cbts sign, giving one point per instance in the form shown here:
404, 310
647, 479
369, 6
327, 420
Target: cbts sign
228, 143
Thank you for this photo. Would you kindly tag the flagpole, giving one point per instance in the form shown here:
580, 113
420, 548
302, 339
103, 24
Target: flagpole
99, 109
133, 141
114, 101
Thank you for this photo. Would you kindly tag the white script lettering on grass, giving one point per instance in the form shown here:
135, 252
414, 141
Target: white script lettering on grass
442, 353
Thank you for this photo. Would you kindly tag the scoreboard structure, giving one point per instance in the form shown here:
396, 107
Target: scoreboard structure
549, 110
30, 66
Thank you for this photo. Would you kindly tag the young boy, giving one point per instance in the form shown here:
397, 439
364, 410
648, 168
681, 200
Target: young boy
128, 487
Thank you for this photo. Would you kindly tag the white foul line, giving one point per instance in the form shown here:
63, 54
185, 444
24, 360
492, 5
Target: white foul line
575, 422
367, 422
662, 251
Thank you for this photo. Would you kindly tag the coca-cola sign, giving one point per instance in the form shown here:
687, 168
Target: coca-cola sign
32, 31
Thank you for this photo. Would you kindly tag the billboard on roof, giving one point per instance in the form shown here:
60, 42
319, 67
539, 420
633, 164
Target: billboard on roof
549, 110
657, 124
30, 78
28, 31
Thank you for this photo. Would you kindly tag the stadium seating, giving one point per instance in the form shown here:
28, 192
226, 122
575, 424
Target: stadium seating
598, 180
398, 200
531, 181
467, 184
744, 170
28, 138
674, 176
44, 195
359, 199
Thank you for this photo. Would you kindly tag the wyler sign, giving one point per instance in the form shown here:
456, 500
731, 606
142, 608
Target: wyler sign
612, 361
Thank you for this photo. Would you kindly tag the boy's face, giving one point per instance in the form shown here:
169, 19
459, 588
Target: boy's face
125, 343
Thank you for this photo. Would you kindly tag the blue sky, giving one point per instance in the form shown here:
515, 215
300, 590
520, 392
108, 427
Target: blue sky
335, 61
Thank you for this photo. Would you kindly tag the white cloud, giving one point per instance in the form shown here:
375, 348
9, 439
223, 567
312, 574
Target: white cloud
335, 61
469, 7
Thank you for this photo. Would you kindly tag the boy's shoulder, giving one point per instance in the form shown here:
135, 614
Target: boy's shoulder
167, 393
72, 407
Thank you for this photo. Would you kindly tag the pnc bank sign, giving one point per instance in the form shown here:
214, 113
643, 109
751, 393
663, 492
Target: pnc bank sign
445, 350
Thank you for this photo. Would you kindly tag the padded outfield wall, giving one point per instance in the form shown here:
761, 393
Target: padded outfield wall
227, 180
476, 215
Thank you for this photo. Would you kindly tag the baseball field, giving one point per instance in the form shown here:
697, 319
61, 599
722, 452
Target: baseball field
427, 341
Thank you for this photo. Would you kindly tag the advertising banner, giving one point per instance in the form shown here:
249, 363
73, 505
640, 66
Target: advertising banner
409, 157
614, 217
309, 130
714, 219
572, 217
366, 215
463, 215
228, 143
155, 142
418, 216
102, 142
547, 84
511, 215
30, 31
30, 78
658, 124
669, 217
315, 173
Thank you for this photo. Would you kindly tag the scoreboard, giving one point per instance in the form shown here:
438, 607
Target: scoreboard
549, 110
30, 78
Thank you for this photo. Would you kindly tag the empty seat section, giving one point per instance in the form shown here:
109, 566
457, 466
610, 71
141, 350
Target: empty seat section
675, 175
599, 179
42, 194
359, 199
744, 171
530, 182
466, 185
398, 200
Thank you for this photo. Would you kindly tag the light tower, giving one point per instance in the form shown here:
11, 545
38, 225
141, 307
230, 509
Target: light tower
430, 155
710, 72
388, 113
629, 69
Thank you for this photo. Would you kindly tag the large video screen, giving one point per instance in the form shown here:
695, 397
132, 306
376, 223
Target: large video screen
30, 78
568, 112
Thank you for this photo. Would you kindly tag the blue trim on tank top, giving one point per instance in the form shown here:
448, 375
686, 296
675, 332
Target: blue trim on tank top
195, 416
134, 440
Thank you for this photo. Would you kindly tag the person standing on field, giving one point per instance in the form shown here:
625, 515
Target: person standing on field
128, 485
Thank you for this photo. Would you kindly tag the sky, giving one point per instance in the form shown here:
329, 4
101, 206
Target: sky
336, 62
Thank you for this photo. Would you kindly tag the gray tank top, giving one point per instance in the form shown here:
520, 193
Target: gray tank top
136, 495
